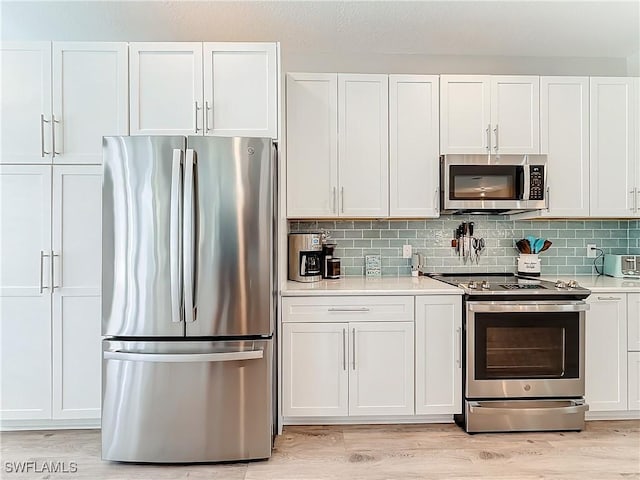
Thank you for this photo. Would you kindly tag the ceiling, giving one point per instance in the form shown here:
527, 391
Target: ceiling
606, 29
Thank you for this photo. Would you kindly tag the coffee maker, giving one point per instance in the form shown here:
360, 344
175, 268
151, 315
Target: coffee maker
305, 255
330, 264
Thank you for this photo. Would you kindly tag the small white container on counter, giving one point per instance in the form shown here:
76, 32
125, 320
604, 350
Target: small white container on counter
529, 264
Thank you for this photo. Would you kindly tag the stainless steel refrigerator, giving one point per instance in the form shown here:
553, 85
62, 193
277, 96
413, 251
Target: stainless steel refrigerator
187, 299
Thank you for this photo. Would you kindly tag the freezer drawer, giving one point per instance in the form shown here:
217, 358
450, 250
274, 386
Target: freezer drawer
180, 402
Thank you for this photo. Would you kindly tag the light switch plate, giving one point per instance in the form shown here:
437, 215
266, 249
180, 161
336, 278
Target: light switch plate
406, 251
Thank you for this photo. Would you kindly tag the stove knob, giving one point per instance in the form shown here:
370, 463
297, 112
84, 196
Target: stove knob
572, 284
473, 285
485, 285
561, 284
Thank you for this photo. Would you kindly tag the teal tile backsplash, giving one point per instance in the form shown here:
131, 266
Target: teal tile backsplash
567, 255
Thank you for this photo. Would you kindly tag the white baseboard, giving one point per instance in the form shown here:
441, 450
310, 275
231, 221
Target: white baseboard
367, 420
617, 415
67, 424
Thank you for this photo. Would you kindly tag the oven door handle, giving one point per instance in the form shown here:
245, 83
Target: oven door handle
510, 307
476, 408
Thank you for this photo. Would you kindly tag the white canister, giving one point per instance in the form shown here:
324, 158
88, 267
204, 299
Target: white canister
529, 264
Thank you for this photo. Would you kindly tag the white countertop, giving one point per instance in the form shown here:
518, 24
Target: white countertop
600, 283
371, 286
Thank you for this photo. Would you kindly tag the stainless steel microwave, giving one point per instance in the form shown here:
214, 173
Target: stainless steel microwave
493, 183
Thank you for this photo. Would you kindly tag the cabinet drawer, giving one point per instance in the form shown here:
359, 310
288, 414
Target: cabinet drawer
347, 309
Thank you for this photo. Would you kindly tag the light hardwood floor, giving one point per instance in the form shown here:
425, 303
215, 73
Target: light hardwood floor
605, 450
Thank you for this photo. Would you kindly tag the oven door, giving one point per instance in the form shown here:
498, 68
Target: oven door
525, 349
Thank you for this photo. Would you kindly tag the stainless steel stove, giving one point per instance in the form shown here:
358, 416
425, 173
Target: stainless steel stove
523, 347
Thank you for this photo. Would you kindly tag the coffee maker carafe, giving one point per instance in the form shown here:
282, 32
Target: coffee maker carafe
305, 255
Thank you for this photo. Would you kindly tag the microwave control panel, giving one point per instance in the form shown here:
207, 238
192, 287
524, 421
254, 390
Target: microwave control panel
536, 178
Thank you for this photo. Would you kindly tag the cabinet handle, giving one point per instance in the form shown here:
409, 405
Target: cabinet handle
53, 135
344, 349
348, 309
633, 198
609, 298
459, 347
43, 254
195, 112
341, 199
55, 278
42, 122
436, 202
487, 131
354, 348
495, 132
333, 207
207, 108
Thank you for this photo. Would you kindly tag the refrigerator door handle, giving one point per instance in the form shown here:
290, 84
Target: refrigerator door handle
184, 357
175, 241
187, 236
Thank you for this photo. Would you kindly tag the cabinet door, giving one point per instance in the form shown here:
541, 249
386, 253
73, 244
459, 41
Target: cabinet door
634, 380
312, 145
413, 146
314, 369
633, 326
438, 354
165, 90
240, 89
564, 137
25, 102
90, 98
381, 368
77, 256
363, 145
465, 114
515, 114
25, 292
611, 147
606, 352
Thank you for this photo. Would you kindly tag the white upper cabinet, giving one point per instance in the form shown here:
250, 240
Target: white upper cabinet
312, 145
413, 146
363, 145
489, 114
25, 102
59, 111
90, 98
564, 137
465, 115
166, 88
240, 89
614, 164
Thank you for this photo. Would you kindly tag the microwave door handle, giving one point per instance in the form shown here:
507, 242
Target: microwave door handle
527, 181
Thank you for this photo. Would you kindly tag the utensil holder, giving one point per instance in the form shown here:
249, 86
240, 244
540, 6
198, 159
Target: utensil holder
529, 264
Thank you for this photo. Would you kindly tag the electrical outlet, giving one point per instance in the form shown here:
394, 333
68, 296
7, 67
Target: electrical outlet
591, 250
406, 251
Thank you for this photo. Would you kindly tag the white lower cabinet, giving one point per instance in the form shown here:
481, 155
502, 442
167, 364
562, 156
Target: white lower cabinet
633, 356
343, 356
438, 354
606, 352
634, 381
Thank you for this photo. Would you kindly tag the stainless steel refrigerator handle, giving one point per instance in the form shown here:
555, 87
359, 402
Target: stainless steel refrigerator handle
187, 237
475, 407
54, 277
506, 307
175, 240
42, 256
42, 122
184, 357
